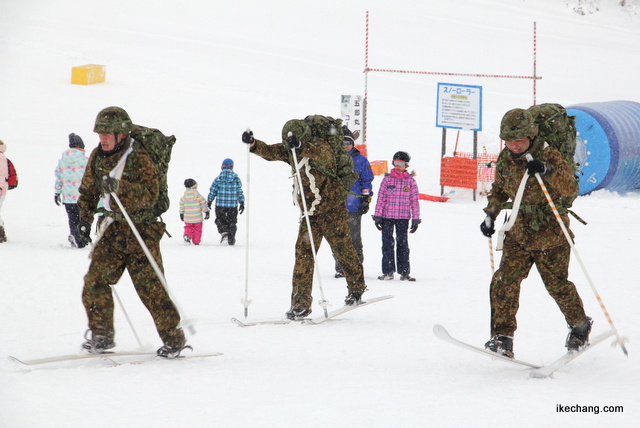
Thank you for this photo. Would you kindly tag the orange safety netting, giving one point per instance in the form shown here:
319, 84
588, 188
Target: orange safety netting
462, 170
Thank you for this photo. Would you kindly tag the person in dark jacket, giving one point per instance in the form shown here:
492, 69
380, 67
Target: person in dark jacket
359, 196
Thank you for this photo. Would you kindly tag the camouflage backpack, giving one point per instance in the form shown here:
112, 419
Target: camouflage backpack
330, 130
158, 146
557, 129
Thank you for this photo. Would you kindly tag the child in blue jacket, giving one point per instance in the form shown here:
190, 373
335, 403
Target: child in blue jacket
226, 189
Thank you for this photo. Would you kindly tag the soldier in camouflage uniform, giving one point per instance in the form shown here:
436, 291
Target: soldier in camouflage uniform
536, 236
117, 248
325, 200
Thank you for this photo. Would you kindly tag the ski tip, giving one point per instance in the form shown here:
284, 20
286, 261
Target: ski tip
439, 330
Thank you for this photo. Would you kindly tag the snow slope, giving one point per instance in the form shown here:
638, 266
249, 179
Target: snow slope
205, 71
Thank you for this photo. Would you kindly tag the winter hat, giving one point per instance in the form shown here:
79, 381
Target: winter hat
190, 183
348, 135
75, 142
227, 163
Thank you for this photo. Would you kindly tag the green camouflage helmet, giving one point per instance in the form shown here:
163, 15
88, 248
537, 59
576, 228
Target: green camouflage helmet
517, 123
299, 128
113, 119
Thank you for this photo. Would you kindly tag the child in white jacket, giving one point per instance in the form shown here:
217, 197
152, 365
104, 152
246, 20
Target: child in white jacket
192, 207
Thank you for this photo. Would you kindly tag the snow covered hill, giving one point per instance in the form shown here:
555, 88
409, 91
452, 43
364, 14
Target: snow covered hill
205, 71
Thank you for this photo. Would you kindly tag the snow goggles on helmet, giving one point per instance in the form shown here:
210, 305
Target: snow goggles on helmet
398, 162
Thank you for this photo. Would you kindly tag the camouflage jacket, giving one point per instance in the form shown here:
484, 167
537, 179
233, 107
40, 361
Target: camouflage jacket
536, 227
138, 188
322, 192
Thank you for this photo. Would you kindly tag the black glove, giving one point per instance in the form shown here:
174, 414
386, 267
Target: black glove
364, 204
207, 215
535, 166
109, 184
56, 199
209, 204
181, 217
247, 137
377, 221
84, 232
241, 208
292, 141
414, 225
487, 228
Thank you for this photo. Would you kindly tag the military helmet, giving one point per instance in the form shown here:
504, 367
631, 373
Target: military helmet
516, 124
403, 156
299, 128
113, 120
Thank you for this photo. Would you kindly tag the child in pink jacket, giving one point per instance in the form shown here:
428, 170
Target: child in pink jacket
397, 203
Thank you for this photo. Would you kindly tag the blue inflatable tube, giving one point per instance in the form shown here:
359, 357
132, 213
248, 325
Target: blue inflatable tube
608, 146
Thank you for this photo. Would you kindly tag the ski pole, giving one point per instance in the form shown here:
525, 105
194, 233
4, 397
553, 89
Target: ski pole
186, 323
245, 301
493, 269
619, 340
126, 315
322, 302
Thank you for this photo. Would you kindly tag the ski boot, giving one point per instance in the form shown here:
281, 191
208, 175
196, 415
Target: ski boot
297, 313
407, 278
169, 352
500, 344
578, 337
98, 344
386, 277
353, 299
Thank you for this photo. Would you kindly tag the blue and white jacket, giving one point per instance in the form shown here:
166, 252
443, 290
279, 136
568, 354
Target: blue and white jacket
226, 189
69, 173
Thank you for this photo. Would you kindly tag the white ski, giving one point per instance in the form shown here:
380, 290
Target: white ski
71, 357
548, 370
442, 333
110, 356
318, 320
156, 358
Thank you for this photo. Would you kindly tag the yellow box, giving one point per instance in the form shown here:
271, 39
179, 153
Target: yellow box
88, 74
379, 167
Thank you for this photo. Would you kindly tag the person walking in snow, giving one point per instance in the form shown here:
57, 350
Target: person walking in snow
359, 196
325, 199
535, 237
4, 186
136, 182
397, 204
193, 210
69, 172
226, 189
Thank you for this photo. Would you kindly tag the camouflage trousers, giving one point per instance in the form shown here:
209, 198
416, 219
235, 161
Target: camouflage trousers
333, 227
109, 260
516, 262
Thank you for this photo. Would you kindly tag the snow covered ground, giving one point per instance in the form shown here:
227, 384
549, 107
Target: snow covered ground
205, 71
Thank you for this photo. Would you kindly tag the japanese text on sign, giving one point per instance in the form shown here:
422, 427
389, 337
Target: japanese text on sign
459, 107
351, 112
